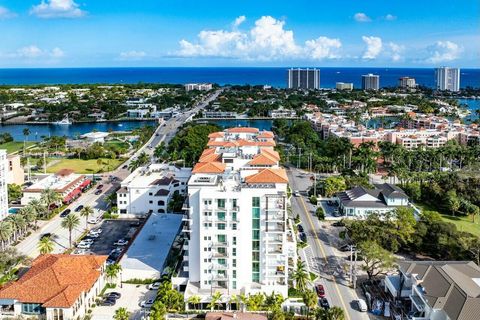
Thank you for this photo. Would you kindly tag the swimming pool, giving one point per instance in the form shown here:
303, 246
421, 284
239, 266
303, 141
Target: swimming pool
13, 210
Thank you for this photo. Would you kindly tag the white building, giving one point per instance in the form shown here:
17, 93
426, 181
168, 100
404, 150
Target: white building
303, 78
198, 86
407, 83
150, 189
240, 235
344, 86
447, 79
370, 82
93, 137
3, 184
282, 113
359, 202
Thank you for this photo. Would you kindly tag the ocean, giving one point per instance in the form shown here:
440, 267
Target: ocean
275, 77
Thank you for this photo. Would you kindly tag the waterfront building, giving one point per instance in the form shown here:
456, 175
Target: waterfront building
303, 78
282, 113
198, 86
65, 182
56, 286
344, 86
95, 136
3, 184
407, 83
219, 114
447, 79
370, 82
150, 189
15, 171
240, 235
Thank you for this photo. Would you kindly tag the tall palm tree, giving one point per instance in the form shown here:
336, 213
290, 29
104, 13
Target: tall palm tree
216, 300
112, 271
194, 300
5, 232
121, 314
334, 313
86, 212
70, 222
26, 133
18, 225
300, 276
243, 301
310, 300
49, 197
45, 245
37, 208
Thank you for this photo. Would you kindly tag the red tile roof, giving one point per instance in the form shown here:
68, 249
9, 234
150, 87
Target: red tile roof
209, 167
55, 280
243, 130
268, 175
64, 172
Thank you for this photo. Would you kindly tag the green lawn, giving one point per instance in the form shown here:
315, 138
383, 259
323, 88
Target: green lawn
14, 146
462, 223
85, 166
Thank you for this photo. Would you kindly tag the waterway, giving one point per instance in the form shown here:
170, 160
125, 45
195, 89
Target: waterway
473, 105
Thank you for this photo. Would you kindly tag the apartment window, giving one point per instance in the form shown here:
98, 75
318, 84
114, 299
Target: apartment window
234, 273
255, 202
234, 252
31, 308
234, 263
256, 224
221, 238
150, 201
207, 202
234, 203
234, 226
222, 261
150, 194
221, 203
234, 284
221, 226
255, 239
234, 241
234, 216
221, 215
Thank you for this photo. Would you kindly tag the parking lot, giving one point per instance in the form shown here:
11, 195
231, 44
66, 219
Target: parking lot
331, 210
112, 231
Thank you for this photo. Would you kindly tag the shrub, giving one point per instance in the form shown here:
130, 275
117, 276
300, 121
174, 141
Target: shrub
313, 200
320, 213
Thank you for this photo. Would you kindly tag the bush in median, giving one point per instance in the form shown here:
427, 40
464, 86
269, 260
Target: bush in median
320, 213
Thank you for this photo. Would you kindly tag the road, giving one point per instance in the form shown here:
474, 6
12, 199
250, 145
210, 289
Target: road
321, 255
163, 133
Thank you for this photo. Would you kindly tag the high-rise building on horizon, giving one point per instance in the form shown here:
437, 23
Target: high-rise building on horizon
344, 86
447, 79
240, 235
303, 78
370, 82
3, 184
407, 83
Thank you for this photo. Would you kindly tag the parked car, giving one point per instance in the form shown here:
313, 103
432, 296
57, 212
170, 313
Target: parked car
338, 224
79, 251
98, 192
125, 166
120, 242
94, 220
323, 302
320, 290
154, 286
93, 235
100, 186
113, 295
303, 236
361, 305
116, 251
65, 213
96, 231
296, 193
79, 208
300, 228
108, 302
84, 245
89, 241
46, 235
147, 303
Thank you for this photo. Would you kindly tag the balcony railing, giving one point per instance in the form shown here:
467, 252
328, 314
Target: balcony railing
216, 255
218, 266
219, 277
217, 244
418, 302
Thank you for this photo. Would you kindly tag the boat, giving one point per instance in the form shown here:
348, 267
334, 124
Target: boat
64, 121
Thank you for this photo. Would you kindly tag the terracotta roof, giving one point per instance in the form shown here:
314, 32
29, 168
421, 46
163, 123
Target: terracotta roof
214, 157
209, 167
274, 154
208, 151
64, 172
266, 134
216, 135
213, 143
263, 158
269, 143
233, 316
268, 176
55, 280
242, 130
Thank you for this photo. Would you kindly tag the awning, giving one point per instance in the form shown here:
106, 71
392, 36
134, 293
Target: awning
85, 183
67, 199
75, 192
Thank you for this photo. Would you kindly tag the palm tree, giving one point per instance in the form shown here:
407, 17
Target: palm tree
100, 165
215, 300
38, 209
195, 300
121, 314
26, 133
273, 301
112, 271
300, 276
5, 232
334, 313
86, 212
18, 225
310, 300
49, 197
70, 222
45, 245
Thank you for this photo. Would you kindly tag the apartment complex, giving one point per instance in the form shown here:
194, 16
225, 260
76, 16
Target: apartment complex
240, 237
15, 172
407, 83
344, 86
303, 78
3, 184
198, 86
431, 290
370, 82
150, 189
447, 79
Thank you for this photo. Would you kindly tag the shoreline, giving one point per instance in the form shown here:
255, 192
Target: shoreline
73, 123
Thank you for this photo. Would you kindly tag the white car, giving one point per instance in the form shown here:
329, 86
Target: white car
116, 250
95, 231
79, 251
84, 245
121, 242
154, 286
94, 220
296, 193
147, 303
361, 305
87, 241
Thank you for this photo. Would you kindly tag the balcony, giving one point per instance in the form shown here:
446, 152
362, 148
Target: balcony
275, 217
235, 208
417, 302
218, 266
186, 217
219, 277
186, 229
217, 244
217, 255
275, 240
275, 250
276, 227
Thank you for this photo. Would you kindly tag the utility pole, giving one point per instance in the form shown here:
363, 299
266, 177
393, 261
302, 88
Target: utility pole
315, 184
44, 163
355, 272
299, 155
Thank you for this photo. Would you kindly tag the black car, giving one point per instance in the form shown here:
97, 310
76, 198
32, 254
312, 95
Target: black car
113, 295
303, 236
79, 208
65, 213
100, 186
46, 235
338, 224
98, 192
125, 167
300, 228
108, 302
323, 302
344, 248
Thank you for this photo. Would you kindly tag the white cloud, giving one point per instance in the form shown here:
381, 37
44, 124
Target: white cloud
374, 47
132, 55
267, 40
6, 14
29, 52
34, 52
444, 51
396, 51
239, 20
57, 9
390, 17
57, 53
361, 17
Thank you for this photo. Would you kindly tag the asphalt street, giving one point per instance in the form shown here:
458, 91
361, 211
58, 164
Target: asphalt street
321, 254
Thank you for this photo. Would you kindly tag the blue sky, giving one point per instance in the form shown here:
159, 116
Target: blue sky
102, 33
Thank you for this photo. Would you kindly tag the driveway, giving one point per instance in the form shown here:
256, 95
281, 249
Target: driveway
132, 295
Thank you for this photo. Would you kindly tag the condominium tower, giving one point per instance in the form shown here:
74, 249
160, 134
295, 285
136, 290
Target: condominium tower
370, 82
407, 83
303, 79
240, 238
3, 185
447, 79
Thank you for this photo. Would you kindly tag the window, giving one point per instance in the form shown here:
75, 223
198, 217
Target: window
234, 216
221, 238
234, 241
255, 202
234, 252
150, 201
222, 262
150, 194
234, 226
161, 203
221, 226
234, 273
256, 224
32, 308
221, 216
234, 203
234, 263
234, 284
221, 203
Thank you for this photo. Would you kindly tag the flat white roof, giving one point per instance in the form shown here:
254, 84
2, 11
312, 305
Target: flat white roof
54, 182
